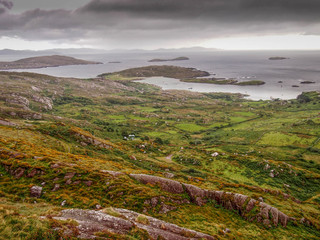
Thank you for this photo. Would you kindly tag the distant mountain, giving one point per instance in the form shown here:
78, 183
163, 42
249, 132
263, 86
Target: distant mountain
75, 51
168, 60
26, 52
43, 61
56, 51
190, 49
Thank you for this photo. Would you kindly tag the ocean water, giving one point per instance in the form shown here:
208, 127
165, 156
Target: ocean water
242, 65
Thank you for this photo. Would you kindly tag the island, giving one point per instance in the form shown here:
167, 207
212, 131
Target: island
307, 82
159, 70
168, 60
224, 81
43, 62
182, 73
278, 58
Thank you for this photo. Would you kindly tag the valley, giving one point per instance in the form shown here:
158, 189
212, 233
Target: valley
165, 164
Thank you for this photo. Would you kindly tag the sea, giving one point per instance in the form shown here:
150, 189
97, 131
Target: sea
284, 78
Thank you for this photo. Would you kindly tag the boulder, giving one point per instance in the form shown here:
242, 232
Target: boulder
112, 173
19, 172
35, 191
166, 208
56, 187
32, 173
168, 175
69, 175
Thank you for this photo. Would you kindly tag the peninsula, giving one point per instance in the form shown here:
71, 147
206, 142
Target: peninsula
43, 62
183, 74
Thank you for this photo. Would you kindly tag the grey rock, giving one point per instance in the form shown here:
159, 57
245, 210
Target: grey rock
63, 203
165, 184
69, 175
113, 173
90, 221
260, 199
196, 194
56, 187
35, 191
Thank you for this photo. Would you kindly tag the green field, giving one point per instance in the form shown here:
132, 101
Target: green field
220, 142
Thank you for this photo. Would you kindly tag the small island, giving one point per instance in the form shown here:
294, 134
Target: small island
224, 81
168, 60
43, 62
307, 82
277, 58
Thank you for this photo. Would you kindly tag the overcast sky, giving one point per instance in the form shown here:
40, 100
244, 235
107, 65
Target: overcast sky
150, 24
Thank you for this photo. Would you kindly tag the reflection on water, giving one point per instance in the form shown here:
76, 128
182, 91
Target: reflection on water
264, 92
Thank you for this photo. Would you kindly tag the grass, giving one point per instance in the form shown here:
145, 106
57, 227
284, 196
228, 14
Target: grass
187, 126
280, 139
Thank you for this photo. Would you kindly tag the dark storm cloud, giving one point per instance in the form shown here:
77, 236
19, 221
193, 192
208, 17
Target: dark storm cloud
7, 4
245, 10
134, 21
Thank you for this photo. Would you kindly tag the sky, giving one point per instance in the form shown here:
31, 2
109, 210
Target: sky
152, 24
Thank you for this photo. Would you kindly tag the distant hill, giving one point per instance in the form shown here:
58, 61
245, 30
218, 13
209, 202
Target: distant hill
77, 51
168, 60
44, 61
27, 52
277, 58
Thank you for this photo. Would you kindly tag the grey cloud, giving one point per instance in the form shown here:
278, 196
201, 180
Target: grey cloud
230, 10
152, 22
6, 3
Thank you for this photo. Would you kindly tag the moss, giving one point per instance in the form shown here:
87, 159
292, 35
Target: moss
142, 219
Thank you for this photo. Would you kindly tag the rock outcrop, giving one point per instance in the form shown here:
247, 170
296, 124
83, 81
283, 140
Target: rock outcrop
246, 207
91, 222
86, 138
6, 123
22, 171
165, 184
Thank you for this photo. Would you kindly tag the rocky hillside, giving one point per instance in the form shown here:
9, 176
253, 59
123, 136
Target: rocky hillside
106, 158
43, 62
